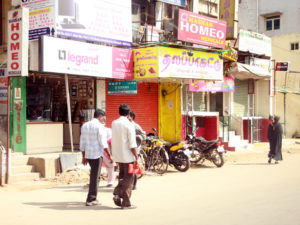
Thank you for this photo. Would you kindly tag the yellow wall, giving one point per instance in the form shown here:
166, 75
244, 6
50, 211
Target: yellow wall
281, 53
170, 112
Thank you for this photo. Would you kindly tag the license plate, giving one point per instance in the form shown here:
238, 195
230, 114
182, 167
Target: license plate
220, 149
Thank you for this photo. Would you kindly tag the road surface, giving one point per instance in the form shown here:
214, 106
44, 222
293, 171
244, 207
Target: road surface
246, 191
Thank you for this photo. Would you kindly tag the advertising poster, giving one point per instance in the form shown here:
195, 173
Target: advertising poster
146, 62
103, 21
41, 17
179, 63
227, 85
201, 30
229, 13
3, 91
79, 58
262, 66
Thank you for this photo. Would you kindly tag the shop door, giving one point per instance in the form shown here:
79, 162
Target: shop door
240, 98
216, 102
170, 112
144, 104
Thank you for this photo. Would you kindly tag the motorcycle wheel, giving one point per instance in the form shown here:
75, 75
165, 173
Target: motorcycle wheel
217, 159
160, 161
195, 156
184, 162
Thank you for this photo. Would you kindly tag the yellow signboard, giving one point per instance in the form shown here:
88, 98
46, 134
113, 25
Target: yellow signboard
230, 53
228, 13
145, 62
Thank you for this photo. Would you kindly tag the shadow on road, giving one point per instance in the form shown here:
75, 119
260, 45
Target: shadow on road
252, 164
68, 206
83, 188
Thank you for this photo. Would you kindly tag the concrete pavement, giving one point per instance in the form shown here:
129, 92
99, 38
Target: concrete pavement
247, 190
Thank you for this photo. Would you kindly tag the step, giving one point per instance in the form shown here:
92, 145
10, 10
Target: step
21, 177
19, 160
22, 169
17, 154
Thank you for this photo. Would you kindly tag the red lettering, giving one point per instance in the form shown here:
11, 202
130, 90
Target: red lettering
18, 107
15, 46
19, 139
15, 36
16, 25
14, 55
14, 66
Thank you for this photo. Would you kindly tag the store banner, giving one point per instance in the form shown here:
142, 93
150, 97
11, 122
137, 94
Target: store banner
230, 53
79, 58
261, 66
227, 85
283, 66
3, 91
183, 63
201, 30
175, 2
156, 62
17, 43
255, 43
229, 13
19, 114
122, 87
146, 62
95, 20
41, 17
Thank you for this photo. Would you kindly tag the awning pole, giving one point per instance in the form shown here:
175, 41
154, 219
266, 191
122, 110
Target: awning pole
69, 110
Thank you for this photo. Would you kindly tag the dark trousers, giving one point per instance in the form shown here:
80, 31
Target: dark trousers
124, 187
95, 165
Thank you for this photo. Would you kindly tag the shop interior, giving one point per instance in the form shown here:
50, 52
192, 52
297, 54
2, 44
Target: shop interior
47, 103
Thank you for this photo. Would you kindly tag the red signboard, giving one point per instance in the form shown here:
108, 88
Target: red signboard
282, 66
201, 30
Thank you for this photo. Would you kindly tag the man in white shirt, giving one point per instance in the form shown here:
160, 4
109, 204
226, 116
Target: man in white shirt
93, 143
124, 152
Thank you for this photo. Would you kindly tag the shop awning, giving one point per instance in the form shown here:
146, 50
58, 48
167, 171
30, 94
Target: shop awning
244, 71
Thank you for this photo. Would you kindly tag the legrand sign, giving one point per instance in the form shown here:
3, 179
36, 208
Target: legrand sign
78, 58
17, 44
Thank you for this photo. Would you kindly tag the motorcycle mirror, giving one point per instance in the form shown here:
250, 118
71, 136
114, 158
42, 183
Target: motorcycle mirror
154, 129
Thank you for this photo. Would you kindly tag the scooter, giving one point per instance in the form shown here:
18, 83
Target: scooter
202, 149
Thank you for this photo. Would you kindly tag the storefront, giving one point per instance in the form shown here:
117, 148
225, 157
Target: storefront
59, 95
172, 69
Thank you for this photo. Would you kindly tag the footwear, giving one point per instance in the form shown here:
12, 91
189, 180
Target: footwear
109, 185
276, 162
117, 200
92, 203
269, 161
129, 207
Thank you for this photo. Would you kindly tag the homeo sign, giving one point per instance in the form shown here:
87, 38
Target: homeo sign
17, 43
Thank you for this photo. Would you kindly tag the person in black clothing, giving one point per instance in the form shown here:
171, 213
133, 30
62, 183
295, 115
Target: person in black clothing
270, 138
276, 139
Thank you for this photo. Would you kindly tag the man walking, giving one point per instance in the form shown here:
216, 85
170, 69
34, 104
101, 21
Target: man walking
124, 152
92, 144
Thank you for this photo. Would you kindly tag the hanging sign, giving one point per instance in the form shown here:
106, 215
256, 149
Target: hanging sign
282, 66
3, 91
227, 85
17, 44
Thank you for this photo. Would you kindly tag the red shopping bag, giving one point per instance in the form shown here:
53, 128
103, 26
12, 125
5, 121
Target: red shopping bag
135, 169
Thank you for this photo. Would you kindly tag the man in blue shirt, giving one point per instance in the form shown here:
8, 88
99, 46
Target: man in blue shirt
93, 142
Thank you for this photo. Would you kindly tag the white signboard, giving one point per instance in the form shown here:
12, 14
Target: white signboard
255, 43
41, 17
102, 21
261, 66
17, 44
74, 57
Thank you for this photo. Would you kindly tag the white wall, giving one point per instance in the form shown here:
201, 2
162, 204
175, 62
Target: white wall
100, 94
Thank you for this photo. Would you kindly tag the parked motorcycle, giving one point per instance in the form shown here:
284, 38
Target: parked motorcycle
202, 149
178, 154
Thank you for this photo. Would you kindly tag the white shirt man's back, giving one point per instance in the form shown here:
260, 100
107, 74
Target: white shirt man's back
123, 139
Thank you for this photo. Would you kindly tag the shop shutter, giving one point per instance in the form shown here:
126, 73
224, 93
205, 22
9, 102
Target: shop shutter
144, 104
241, 98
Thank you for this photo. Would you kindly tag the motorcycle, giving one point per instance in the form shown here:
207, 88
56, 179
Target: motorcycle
202, 149
178, 154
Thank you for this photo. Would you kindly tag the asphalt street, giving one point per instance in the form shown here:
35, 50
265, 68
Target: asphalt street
245, 191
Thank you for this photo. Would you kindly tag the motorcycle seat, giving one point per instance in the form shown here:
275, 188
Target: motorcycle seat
204, 141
